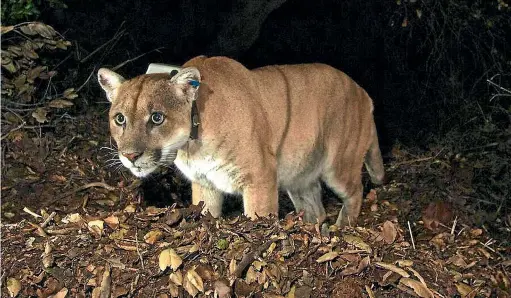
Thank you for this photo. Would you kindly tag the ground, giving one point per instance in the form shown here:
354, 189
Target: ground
72, 224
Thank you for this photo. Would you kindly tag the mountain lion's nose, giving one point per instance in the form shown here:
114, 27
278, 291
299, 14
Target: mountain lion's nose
132, 156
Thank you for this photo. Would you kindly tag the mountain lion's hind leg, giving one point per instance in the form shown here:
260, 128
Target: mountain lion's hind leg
350, 190
309, 200
212, 198
350, 209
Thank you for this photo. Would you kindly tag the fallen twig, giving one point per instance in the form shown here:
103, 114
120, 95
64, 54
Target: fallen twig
40, 230
249, 257
138, 249
47, 220
84, 187
411, 235
454, 225
31, 212
133, 285
417, 159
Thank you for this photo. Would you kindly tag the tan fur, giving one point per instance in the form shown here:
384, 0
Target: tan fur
274, 127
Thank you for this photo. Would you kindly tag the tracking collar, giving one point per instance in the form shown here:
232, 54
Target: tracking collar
194, 116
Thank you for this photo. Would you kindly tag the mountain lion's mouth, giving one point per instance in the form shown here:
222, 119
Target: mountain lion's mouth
142, 172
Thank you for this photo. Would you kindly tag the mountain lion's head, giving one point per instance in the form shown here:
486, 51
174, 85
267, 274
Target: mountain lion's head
150, 116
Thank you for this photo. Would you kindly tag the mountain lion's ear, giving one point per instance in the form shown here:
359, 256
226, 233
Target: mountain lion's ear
185, 75
109, 81
188, 80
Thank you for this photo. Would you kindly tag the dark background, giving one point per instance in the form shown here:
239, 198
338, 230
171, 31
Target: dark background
425, 63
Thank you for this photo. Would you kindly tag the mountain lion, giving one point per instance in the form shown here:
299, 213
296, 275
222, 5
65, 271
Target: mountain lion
249, 132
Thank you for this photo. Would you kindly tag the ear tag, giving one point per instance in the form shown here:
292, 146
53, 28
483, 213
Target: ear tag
194, 83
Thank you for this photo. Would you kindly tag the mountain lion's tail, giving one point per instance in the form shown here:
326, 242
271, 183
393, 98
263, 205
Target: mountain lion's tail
374, 161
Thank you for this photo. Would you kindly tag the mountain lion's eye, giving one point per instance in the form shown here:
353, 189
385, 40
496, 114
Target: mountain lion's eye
157, 118
119, 119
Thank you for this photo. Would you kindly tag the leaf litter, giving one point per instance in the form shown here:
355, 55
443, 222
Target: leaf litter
134, 247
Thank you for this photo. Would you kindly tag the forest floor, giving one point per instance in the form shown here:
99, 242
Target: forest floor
72, 225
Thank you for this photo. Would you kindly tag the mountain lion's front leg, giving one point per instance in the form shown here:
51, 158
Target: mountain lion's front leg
212, 198
260, 196
261, 200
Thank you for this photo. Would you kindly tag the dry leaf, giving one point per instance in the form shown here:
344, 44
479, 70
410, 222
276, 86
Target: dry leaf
371, 196
173, 217
421, 279
60, 103
34, 73
96, 226
13, 286
404, 263
63, 44
28, 29
153, 236
72, 218
47, 256
328, 256
169, 258
465, 290
458, 261
131, 208
40, 115
476, 232
34, 28
232, 266
193, 248
356, 269
112, 221
271, 248
419, 13
417, 287
370, 292
438, 240
20, 81
251, 275
28, 51
222, 289
437, 213
103, 291
151, 210
5, 29
70, 93
195, 280
503, 281
389, 232
176, 277
291, 293
164, 259
392, 268
45, 30
404, 23
61, 294
190, 288
357, 242
10, 67
174, 290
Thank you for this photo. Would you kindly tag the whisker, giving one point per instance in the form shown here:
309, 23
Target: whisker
119, 167
107, 148
112, 165
112, 159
